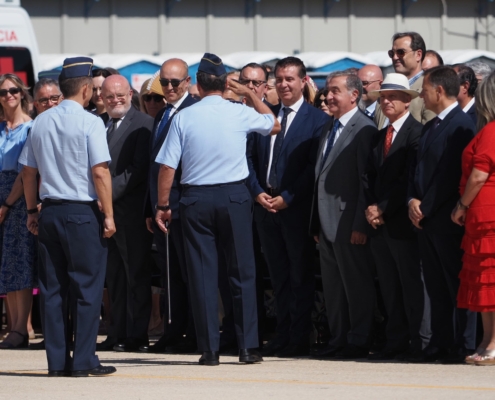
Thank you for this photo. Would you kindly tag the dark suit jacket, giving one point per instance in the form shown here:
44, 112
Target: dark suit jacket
338, 200
296, 163
154, 148
386, 179
129, 166
436, 171
471, 113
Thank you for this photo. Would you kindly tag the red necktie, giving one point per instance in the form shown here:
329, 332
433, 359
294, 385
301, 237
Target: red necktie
388, 140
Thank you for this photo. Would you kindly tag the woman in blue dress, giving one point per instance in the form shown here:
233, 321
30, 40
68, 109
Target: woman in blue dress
17, 244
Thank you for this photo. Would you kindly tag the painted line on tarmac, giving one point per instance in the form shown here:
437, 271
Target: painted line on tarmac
275, 381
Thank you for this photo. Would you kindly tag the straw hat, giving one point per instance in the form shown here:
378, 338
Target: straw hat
398, 82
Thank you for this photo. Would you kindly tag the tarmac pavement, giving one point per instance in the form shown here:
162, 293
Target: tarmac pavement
167, 376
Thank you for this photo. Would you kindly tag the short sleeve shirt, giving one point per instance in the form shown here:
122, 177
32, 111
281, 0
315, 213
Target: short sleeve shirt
11, 143
64, 144
210, 139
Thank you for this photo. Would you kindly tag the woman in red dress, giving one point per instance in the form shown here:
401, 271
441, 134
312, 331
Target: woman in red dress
476, 211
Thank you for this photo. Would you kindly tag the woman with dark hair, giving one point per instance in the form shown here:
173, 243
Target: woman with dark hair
476, 211
17, 244
320, 101
96, 105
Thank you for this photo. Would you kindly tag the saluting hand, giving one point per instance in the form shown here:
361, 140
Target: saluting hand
163, 216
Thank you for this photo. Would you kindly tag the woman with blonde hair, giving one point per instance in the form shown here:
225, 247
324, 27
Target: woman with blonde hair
151, 98
476, 211
17, 244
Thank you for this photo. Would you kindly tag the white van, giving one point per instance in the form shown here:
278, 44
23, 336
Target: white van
18, 46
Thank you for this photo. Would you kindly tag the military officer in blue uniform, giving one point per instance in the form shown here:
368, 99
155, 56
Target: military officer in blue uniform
209, 137
68, 147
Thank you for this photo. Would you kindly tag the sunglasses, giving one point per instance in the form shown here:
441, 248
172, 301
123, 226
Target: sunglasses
254, 82
12, 91
155, 97
399, 52
52, 99
174, 82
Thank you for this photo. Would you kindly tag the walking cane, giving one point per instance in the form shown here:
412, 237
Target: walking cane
168, 277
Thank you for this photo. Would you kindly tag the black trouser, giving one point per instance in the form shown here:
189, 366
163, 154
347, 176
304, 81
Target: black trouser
129, 282
72, 261
181, 313
218, 219
441, 256
289, 253
399, 272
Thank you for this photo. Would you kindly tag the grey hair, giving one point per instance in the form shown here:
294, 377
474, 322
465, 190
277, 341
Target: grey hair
480, 68
44, 82
352, 82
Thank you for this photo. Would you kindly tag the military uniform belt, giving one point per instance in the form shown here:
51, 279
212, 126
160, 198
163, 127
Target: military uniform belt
63, 201
241, 182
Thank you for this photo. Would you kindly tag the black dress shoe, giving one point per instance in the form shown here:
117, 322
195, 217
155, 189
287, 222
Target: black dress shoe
385, 355
100, 370
293, 350
37, 346
352, 352
456, 356
250, 356
428, 354
210, 358
59, 373
325, 352
106, 345
160, 346
272, 347
130, 345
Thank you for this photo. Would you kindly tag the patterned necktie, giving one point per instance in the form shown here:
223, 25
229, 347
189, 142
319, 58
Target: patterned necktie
166, 115
277, 146
112, 129
388, 140
330, 142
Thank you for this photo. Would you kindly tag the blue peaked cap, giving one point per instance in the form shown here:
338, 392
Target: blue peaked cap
76, 67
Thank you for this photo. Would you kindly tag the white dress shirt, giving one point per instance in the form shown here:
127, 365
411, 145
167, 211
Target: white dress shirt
468, 105
290, 117
398, 124
344, 119
444, 113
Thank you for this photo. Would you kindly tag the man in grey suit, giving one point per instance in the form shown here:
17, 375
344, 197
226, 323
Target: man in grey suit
338, 220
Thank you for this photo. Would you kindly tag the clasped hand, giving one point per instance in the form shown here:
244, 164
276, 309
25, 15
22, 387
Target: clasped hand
271, 204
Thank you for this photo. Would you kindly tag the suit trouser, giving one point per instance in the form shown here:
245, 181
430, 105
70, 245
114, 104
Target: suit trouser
399, 272
218, 219
181, 312
349, 290
289, 253
441, 256
129, 281
72, 261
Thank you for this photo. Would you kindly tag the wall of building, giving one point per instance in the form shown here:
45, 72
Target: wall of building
225, 26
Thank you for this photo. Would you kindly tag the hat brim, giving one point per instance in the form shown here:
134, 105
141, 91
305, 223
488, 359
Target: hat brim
411, 92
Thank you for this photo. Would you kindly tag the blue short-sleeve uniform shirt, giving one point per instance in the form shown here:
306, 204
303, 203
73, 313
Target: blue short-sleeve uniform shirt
64, 144
210, 139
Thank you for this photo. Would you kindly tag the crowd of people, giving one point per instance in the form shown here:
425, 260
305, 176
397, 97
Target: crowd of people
389, 177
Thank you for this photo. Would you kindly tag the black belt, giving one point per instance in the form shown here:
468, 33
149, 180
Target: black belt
241, 182
63, 201
273, 191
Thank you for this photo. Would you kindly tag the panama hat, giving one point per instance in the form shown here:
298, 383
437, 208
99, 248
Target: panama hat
398, 82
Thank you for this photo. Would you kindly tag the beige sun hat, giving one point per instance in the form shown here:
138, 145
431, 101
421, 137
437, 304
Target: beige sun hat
398, 82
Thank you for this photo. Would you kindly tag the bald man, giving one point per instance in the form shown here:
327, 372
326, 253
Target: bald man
128, 274
371, 76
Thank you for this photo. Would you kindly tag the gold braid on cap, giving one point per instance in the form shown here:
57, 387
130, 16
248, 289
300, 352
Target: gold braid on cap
214, 63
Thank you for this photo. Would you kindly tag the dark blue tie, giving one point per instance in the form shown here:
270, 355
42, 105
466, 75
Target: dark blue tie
330, 142
277, 146
168, 109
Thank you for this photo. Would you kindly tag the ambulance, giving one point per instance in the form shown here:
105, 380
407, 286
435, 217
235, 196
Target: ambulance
18, 47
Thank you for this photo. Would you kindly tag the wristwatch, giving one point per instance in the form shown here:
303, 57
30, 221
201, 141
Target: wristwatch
32, 210
162, 208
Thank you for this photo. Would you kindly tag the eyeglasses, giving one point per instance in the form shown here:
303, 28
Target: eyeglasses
174, 82
12, 91
155, 97
52, 99
366, 83
118, 97
254, 82
399, 52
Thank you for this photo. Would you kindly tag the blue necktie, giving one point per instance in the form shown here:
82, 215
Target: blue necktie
277, 146
168, 109
330, 142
